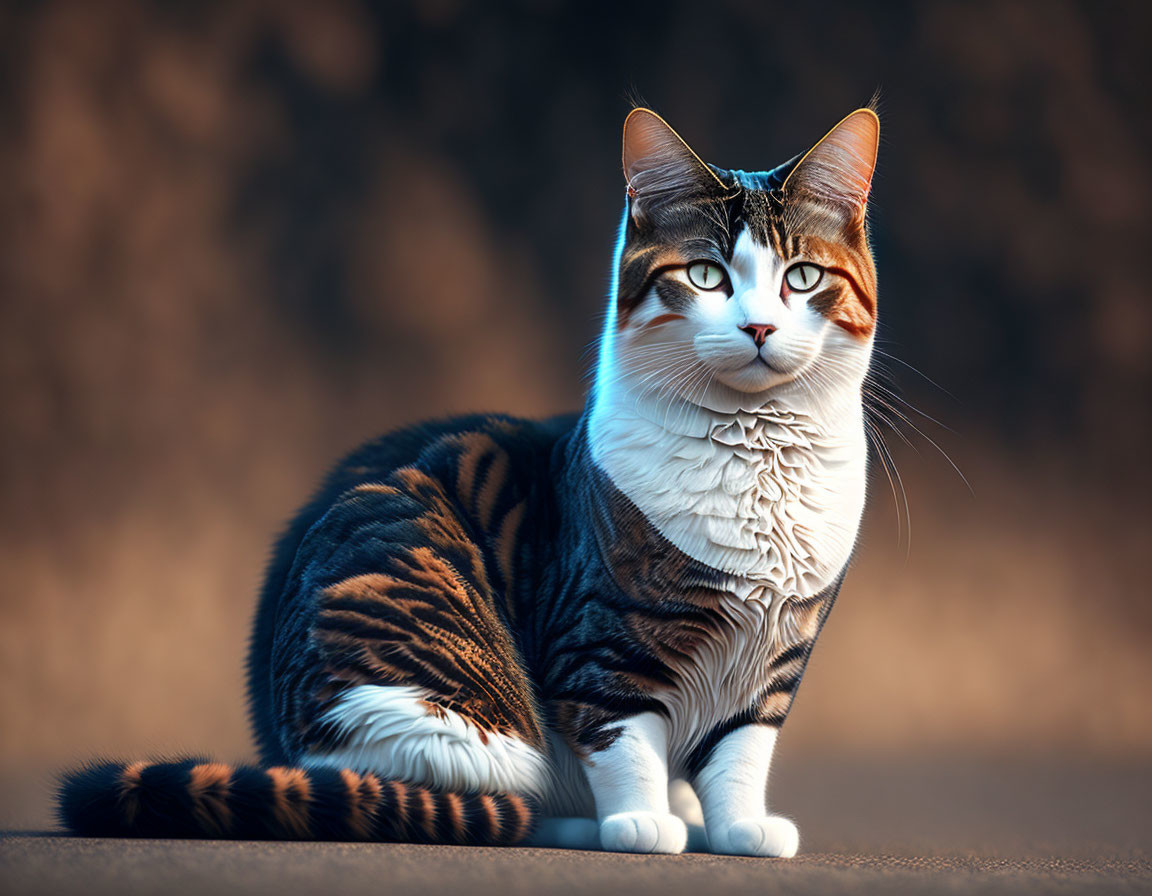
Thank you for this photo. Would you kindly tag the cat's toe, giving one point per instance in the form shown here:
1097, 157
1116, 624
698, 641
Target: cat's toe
772, 836
643, 832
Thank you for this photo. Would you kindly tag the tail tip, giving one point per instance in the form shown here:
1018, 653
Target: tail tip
88, 797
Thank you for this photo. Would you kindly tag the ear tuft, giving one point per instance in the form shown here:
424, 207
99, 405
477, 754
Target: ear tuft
838, 170
658, 164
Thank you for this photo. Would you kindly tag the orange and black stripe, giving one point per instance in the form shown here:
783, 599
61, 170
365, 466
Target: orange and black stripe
195, 798
408, 569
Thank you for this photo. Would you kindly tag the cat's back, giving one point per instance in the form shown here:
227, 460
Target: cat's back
492, 468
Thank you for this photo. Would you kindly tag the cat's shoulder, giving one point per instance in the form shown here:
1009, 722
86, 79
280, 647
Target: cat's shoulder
449, 446
419, 442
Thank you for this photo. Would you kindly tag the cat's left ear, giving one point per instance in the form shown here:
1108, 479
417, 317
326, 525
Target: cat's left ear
838, 170
659, 165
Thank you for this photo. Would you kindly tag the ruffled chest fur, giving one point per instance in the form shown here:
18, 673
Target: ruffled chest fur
772, 499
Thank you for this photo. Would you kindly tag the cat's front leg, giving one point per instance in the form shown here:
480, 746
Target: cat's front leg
732, 787
629, 780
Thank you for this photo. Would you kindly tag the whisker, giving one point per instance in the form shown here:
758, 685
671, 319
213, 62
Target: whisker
888, 464
915, 371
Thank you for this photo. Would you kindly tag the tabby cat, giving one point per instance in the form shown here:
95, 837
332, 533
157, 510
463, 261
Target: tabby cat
495, 630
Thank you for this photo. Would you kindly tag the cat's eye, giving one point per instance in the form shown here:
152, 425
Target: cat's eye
803, 277
706, 275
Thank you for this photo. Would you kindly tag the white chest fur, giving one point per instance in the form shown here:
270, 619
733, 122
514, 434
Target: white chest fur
772, 498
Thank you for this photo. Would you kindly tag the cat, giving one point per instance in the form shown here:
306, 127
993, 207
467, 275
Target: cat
496, 630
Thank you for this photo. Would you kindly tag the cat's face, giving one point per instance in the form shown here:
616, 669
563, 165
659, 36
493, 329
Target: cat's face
745, 282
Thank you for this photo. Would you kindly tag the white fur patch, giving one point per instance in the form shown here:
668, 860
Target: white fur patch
389, 731
773, 497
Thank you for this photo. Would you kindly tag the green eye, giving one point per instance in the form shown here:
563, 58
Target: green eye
706, 275
803, 277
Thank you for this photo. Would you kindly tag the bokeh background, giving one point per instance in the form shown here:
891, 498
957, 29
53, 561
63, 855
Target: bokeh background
238, 238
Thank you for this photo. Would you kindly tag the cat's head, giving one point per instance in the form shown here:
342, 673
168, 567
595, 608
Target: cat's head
734, 286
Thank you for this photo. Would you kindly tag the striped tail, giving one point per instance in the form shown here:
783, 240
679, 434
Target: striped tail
197, 798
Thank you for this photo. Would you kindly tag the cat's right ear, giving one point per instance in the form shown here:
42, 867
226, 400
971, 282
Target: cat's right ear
659, 165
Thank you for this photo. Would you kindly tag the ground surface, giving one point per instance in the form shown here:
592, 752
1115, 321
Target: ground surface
884, 827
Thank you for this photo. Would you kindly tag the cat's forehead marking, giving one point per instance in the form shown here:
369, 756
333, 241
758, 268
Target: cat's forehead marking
761, 221
758, 200
752, 258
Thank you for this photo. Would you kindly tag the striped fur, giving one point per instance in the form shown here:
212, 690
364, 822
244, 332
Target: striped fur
479, 621
196, 798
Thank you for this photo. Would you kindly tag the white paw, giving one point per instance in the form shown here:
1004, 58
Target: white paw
643, 832
772, 836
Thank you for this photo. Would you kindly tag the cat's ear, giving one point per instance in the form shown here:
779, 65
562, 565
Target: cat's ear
837, 171
658, 164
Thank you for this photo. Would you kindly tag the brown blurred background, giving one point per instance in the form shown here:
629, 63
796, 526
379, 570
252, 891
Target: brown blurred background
238, 238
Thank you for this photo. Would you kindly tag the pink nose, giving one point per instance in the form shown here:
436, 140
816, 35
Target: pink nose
759, 332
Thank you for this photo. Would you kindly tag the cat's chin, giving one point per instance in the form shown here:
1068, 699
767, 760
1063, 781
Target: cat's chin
754, 379
724, 398
753, 386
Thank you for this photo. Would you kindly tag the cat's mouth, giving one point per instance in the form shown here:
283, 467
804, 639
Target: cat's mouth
760, 359
756, 375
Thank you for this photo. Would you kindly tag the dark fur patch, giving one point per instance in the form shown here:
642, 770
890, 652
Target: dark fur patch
676, 296
825, 300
